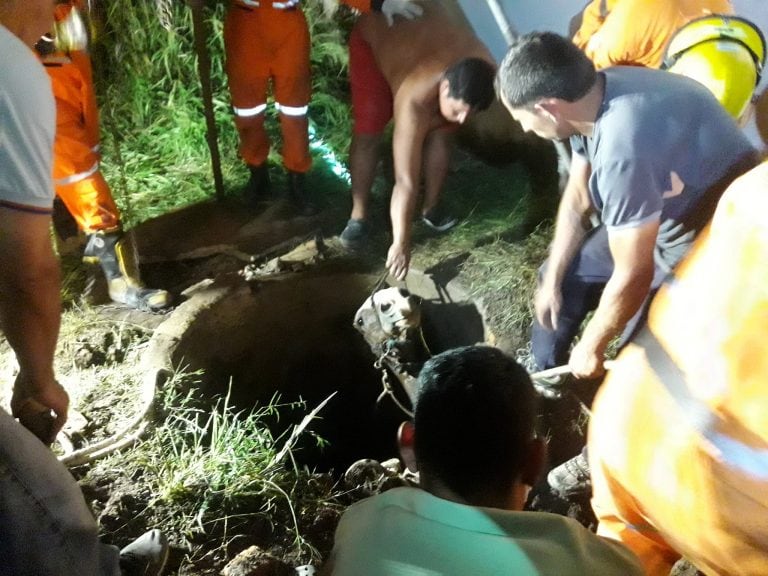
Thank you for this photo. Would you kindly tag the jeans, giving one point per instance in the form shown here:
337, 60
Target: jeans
46, 527
581, 290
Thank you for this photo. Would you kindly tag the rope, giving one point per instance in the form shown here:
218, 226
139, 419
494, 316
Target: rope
388, 389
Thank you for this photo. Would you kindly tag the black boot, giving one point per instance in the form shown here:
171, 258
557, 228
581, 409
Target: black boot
258, 186
297, 194
118, 262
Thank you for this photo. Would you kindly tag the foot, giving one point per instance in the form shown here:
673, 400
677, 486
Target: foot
145, 556
571, 478
297, 194
438, 220
258, 187
137, 297
355, 235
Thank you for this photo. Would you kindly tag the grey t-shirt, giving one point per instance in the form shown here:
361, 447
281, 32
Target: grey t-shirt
27, 128
661, 147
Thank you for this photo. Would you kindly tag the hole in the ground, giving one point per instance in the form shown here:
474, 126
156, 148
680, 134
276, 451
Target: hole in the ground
294, 336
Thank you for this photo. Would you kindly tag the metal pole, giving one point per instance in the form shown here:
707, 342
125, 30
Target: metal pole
502, 22
204, 71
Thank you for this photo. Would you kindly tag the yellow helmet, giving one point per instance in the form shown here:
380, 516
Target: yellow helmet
725, 53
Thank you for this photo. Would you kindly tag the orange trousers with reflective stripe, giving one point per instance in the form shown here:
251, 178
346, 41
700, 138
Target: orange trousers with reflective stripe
77, 178
678, 441
264, 44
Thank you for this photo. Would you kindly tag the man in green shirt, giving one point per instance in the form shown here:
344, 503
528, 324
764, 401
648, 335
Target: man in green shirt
472, 441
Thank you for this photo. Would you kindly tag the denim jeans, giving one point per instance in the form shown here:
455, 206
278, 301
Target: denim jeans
581, 290
46, 528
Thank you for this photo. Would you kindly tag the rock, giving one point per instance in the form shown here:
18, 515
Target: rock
254, 561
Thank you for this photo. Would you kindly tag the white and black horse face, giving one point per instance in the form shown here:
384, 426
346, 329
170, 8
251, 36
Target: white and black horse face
388, 313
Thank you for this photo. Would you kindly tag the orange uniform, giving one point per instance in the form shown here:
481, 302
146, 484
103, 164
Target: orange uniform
678, 442
636, 32
77, 177
269, 40
76, 174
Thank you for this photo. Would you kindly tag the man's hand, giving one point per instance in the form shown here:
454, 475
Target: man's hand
398, 260
406, 8
32, 405
547, 302
586, 361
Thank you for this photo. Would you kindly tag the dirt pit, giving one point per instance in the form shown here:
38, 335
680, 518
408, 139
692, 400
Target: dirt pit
292, 336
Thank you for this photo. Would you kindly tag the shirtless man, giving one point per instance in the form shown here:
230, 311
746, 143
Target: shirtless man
427, 74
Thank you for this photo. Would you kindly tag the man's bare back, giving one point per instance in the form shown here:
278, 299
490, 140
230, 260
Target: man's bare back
438, 73
413, 54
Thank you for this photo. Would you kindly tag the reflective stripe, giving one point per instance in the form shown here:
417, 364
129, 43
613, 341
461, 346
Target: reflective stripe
77, 177
277, 5
96, 148
57, 60
248, 112
730, 451
291, 110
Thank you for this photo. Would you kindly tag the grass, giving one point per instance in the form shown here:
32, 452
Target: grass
207, 472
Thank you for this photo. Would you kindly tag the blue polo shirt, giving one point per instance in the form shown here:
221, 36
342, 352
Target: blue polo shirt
661, 147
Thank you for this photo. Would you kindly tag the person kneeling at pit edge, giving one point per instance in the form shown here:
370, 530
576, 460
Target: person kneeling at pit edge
472, 441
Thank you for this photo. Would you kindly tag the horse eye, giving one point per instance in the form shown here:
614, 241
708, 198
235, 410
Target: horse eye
386, 306
359, 321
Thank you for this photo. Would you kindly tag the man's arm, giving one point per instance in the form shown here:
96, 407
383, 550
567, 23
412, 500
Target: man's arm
410, 133
30, 309
632, 251
570, 229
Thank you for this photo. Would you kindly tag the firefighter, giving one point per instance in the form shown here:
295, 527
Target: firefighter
78, 180
678, 441
267, 41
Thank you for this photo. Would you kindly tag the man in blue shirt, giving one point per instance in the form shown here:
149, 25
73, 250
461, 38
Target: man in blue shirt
653, 152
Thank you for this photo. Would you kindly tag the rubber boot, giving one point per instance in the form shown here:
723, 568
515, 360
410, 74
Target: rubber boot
67, 236
297, 194
258, 187
118, 262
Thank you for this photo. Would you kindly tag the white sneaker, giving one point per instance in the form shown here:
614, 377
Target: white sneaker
145, 556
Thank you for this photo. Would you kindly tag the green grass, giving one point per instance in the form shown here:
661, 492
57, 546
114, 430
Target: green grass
208, 470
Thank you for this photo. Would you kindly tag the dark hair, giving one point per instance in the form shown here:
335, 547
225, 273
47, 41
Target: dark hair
471, 80
544, 65
474, 420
